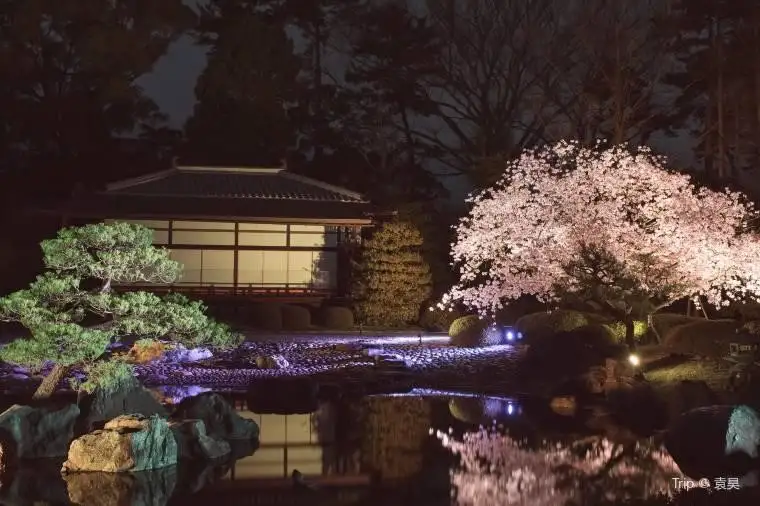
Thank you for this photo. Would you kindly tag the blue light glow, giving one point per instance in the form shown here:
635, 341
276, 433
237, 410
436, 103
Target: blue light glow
519, 335
510, 409
510, 335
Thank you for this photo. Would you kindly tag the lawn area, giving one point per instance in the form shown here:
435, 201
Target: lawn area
663, 369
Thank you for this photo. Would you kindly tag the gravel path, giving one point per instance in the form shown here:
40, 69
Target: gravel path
431, 363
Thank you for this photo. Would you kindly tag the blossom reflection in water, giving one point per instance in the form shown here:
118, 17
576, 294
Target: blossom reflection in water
495, 469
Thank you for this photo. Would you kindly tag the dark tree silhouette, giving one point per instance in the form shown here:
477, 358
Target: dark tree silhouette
241, 117
68, 72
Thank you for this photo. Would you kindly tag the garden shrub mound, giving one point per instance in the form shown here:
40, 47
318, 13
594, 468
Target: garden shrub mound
537, 326
665, 322
267, 316
705, 338
471, 332
337, 318
574, 352
295, 317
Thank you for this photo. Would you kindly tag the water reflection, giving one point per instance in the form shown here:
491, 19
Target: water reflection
379, 451
497, 469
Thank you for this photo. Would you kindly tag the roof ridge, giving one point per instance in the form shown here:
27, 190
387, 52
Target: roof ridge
134, 181
239, 170
323, 185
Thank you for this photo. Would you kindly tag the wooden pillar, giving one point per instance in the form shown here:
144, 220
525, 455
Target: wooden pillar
235, 260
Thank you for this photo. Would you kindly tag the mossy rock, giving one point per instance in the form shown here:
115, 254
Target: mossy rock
537, 326
470, 332
295, 317
267, 316
706, 338
337, 318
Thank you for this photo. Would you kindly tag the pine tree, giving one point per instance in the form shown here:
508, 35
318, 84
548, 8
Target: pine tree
73, 313
392, 278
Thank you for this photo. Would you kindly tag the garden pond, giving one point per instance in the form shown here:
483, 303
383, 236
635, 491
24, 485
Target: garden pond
423, 447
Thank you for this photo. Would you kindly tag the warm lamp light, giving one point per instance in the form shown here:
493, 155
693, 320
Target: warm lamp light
634, 360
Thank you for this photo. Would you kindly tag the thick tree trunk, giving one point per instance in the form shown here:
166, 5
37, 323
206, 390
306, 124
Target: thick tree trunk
651, 326
50, 382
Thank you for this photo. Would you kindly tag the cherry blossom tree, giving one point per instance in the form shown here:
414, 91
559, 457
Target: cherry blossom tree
612, 226
496, 469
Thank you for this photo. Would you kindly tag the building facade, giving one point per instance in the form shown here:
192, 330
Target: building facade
239, 231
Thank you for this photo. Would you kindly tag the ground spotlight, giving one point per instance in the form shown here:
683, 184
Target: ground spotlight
634, 360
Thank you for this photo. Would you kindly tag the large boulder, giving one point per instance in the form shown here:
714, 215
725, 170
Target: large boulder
218, 416
126, 443
153, 488
715, 441
194, 443
128, 397
39, 432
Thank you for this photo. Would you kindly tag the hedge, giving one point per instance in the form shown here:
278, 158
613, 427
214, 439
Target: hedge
337, 318
295, 317
471, 332
537, 326
707, 338
267, 316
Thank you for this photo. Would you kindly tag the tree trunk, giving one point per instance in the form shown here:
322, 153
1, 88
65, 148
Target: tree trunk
650, 326
630, 340
50, 382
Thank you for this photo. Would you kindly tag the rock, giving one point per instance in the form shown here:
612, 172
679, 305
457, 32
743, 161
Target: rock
715, 441
153, 488
565, 405
179, 355
219, 418
272, 362
127, 398
126, 443
40, 432
193, 442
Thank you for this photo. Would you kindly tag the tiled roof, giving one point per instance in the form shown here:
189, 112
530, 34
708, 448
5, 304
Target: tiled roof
205, 193
233, 183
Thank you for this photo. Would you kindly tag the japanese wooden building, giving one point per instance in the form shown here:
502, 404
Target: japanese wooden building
239, 231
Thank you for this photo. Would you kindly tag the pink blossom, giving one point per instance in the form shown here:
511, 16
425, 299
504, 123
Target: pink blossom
522, 231
497, 470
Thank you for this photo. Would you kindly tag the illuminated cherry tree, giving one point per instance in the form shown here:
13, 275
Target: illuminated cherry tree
496, 469
612, 225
